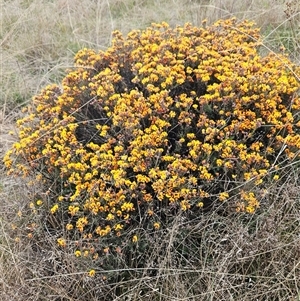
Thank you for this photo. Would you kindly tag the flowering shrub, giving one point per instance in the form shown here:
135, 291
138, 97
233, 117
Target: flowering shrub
164, 121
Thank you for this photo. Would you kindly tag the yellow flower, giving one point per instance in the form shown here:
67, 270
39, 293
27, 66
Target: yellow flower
156, 226
69, 227
258, 181
250, 209
219, 162
73, 210
127, 207
150, 212
185, 205
110, 217
190, 136
118, 227
77, 253
54, 208
81, 223
60, 198
200, 204
92, 273
223, 196
39, 202
134, 238
61, 242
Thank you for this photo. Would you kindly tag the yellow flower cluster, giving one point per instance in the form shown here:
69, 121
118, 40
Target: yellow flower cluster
164, 117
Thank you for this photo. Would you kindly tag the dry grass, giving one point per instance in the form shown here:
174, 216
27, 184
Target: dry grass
221, 258
227, 258
39, 38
